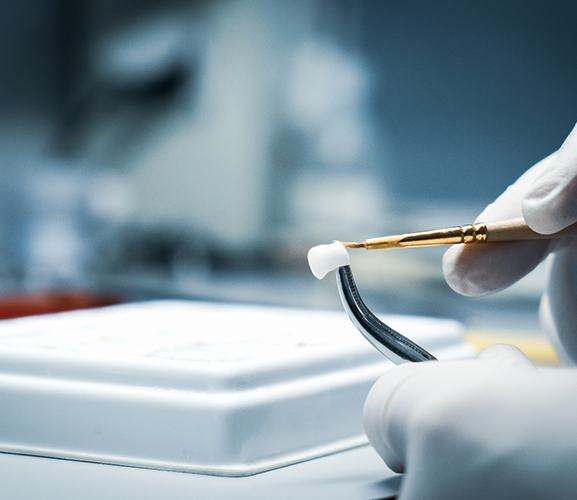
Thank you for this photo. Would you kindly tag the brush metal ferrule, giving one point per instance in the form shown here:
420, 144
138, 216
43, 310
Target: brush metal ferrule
469, 233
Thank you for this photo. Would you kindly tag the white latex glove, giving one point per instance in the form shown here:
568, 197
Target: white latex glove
546, 196
493, 428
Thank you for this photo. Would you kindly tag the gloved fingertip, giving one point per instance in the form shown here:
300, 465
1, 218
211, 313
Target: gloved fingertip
373, 420
546, 210
475, 270
377, 414
550, 205
505, 355
457, 272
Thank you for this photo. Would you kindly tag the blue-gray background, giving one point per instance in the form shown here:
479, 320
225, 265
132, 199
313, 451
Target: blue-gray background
198, 148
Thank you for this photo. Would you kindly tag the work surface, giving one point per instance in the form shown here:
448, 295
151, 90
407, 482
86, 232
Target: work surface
355, 474
172, 399
218, 389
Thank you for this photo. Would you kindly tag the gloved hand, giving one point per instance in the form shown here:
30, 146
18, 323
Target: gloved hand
546, 196
492, 428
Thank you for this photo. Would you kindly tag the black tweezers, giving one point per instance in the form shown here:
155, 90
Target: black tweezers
396, 347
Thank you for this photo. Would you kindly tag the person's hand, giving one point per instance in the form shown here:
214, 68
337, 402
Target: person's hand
492, 428
546, 196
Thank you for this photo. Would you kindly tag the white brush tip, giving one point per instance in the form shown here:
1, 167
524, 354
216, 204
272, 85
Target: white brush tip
326, 258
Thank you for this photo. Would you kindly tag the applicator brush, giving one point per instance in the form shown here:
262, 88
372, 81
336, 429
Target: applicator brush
479, 232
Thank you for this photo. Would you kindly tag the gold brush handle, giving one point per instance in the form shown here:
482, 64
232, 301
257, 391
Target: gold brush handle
479, 232
517, 229
449, 236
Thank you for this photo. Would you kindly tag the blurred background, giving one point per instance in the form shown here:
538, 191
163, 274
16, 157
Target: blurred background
199, 148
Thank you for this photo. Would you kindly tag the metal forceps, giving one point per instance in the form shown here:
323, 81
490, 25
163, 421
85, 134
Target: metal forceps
389, 342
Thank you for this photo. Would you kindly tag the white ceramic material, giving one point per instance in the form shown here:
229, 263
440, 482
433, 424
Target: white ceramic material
197, 387
326, 258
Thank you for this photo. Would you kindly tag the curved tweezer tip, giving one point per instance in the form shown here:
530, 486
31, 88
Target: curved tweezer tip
389, 342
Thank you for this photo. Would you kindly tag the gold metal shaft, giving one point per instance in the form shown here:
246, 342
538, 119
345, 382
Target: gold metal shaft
470, 233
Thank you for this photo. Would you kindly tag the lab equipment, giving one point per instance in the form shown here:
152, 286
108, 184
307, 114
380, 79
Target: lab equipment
385, 339
396, 347
208, 388
494, 427
479, 232
324, 258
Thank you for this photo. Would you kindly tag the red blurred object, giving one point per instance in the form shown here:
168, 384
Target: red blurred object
19, 305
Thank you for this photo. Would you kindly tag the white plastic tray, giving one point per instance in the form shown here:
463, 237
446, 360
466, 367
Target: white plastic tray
196, 387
